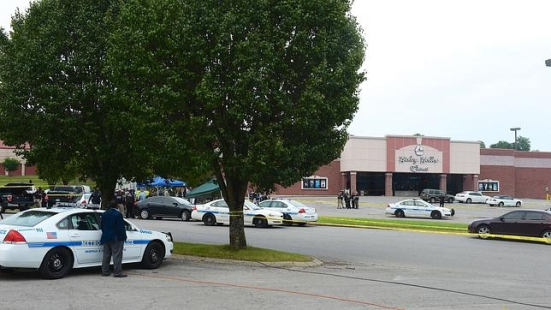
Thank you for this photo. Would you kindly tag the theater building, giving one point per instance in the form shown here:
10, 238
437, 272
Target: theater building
405, 165
22, 169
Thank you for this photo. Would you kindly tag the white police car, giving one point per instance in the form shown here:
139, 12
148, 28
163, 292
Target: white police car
293, 211
54, 241
218, 212
417, 207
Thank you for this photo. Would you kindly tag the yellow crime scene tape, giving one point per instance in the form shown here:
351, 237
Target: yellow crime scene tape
421, 230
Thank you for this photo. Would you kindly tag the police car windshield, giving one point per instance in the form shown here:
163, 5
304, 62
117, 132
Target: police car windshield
27, 219
251, 205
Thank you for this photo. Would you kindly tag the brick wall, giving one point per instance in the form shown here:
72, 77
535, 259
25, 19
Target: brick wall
331, 171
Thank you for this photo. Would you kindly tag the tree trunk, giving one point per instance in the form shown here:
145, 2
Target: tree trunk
107, 190
234, 193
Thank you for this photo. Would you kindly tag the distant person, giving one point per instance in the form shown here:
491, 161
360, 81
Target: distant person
121, 201
130, 200
347, 199
113, 236
442, 200
95, 199
355, 201
38, 197
340, 200
44, 200
142, 196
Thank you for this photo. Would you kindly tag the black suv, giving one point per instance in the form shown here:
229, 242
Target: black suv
17, 195
433, 195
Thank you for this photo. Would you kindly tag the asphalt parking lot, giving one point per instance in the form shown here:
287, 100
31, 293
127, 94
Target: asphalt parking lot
374, 207
374, 270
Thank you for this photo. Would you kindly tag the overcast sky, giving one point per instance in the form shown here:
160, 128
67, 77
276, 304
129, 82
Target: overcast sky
468, 70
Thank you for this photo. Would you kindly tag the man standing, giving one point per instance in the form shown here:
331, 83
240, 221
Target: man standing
121, 201
442, 199
112, 237
95, 199
129, 204
340, 200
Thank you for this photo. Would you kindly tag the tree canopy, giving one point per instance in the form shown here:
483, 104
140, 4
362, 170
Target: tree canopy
258, 92
523, 144
264, 90
58, 97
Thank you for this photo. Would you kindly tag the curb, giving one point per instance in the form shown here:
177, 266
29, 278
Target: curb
315, 262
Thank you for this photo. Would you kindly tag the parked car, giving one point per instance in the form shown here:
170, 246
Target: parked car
218, 212
54, 241
418, 207
471, 197
532, 223
17, 195
293, 211
82, 201
72, 188
504, 201
165, 206
433, 195
63, 198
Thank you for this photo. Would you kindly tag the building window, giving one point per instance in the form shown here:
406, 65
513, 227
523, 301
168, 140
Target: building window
488, 186
314, 183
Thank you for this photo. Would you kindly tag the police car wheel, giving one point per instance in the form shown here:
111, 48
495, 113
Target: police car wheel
399, 213
287, 220
260, 222
436, 215
56, 264
153, 255
209, 219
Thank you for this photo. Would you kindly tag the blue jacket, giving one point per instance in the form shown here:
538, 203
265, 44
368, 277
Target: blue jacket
112, 226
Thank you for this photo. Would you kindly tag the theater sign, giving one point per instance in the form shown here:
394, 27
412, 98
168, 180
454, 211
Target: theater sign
418, 159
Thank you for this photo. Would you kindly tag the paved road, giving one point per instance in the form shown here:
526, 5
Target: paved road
374, 207
363, 269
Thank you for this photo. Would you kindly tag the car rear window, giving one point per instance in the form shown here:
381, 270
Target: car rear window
27, 219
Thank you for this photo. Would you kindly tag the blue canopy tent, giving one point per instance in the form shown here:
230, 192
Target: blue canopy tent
158, 181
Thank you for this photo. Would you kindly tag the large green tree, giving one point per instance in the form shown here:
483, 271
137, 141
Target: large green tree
264, 90
523, 144
56, 96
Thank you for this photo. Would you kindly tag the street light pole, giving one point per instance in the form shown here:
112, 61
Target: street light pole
515, 129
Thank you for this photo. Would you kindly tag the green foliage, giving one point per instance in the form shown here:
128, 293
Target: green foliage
523, 144
482, 144
262, 90
10, 164
57, 96
502, 145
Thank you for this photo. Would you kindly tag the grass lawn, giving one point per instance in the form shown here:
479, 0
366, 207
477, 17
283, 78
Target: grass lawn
226, 252
436, 226
39, 182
